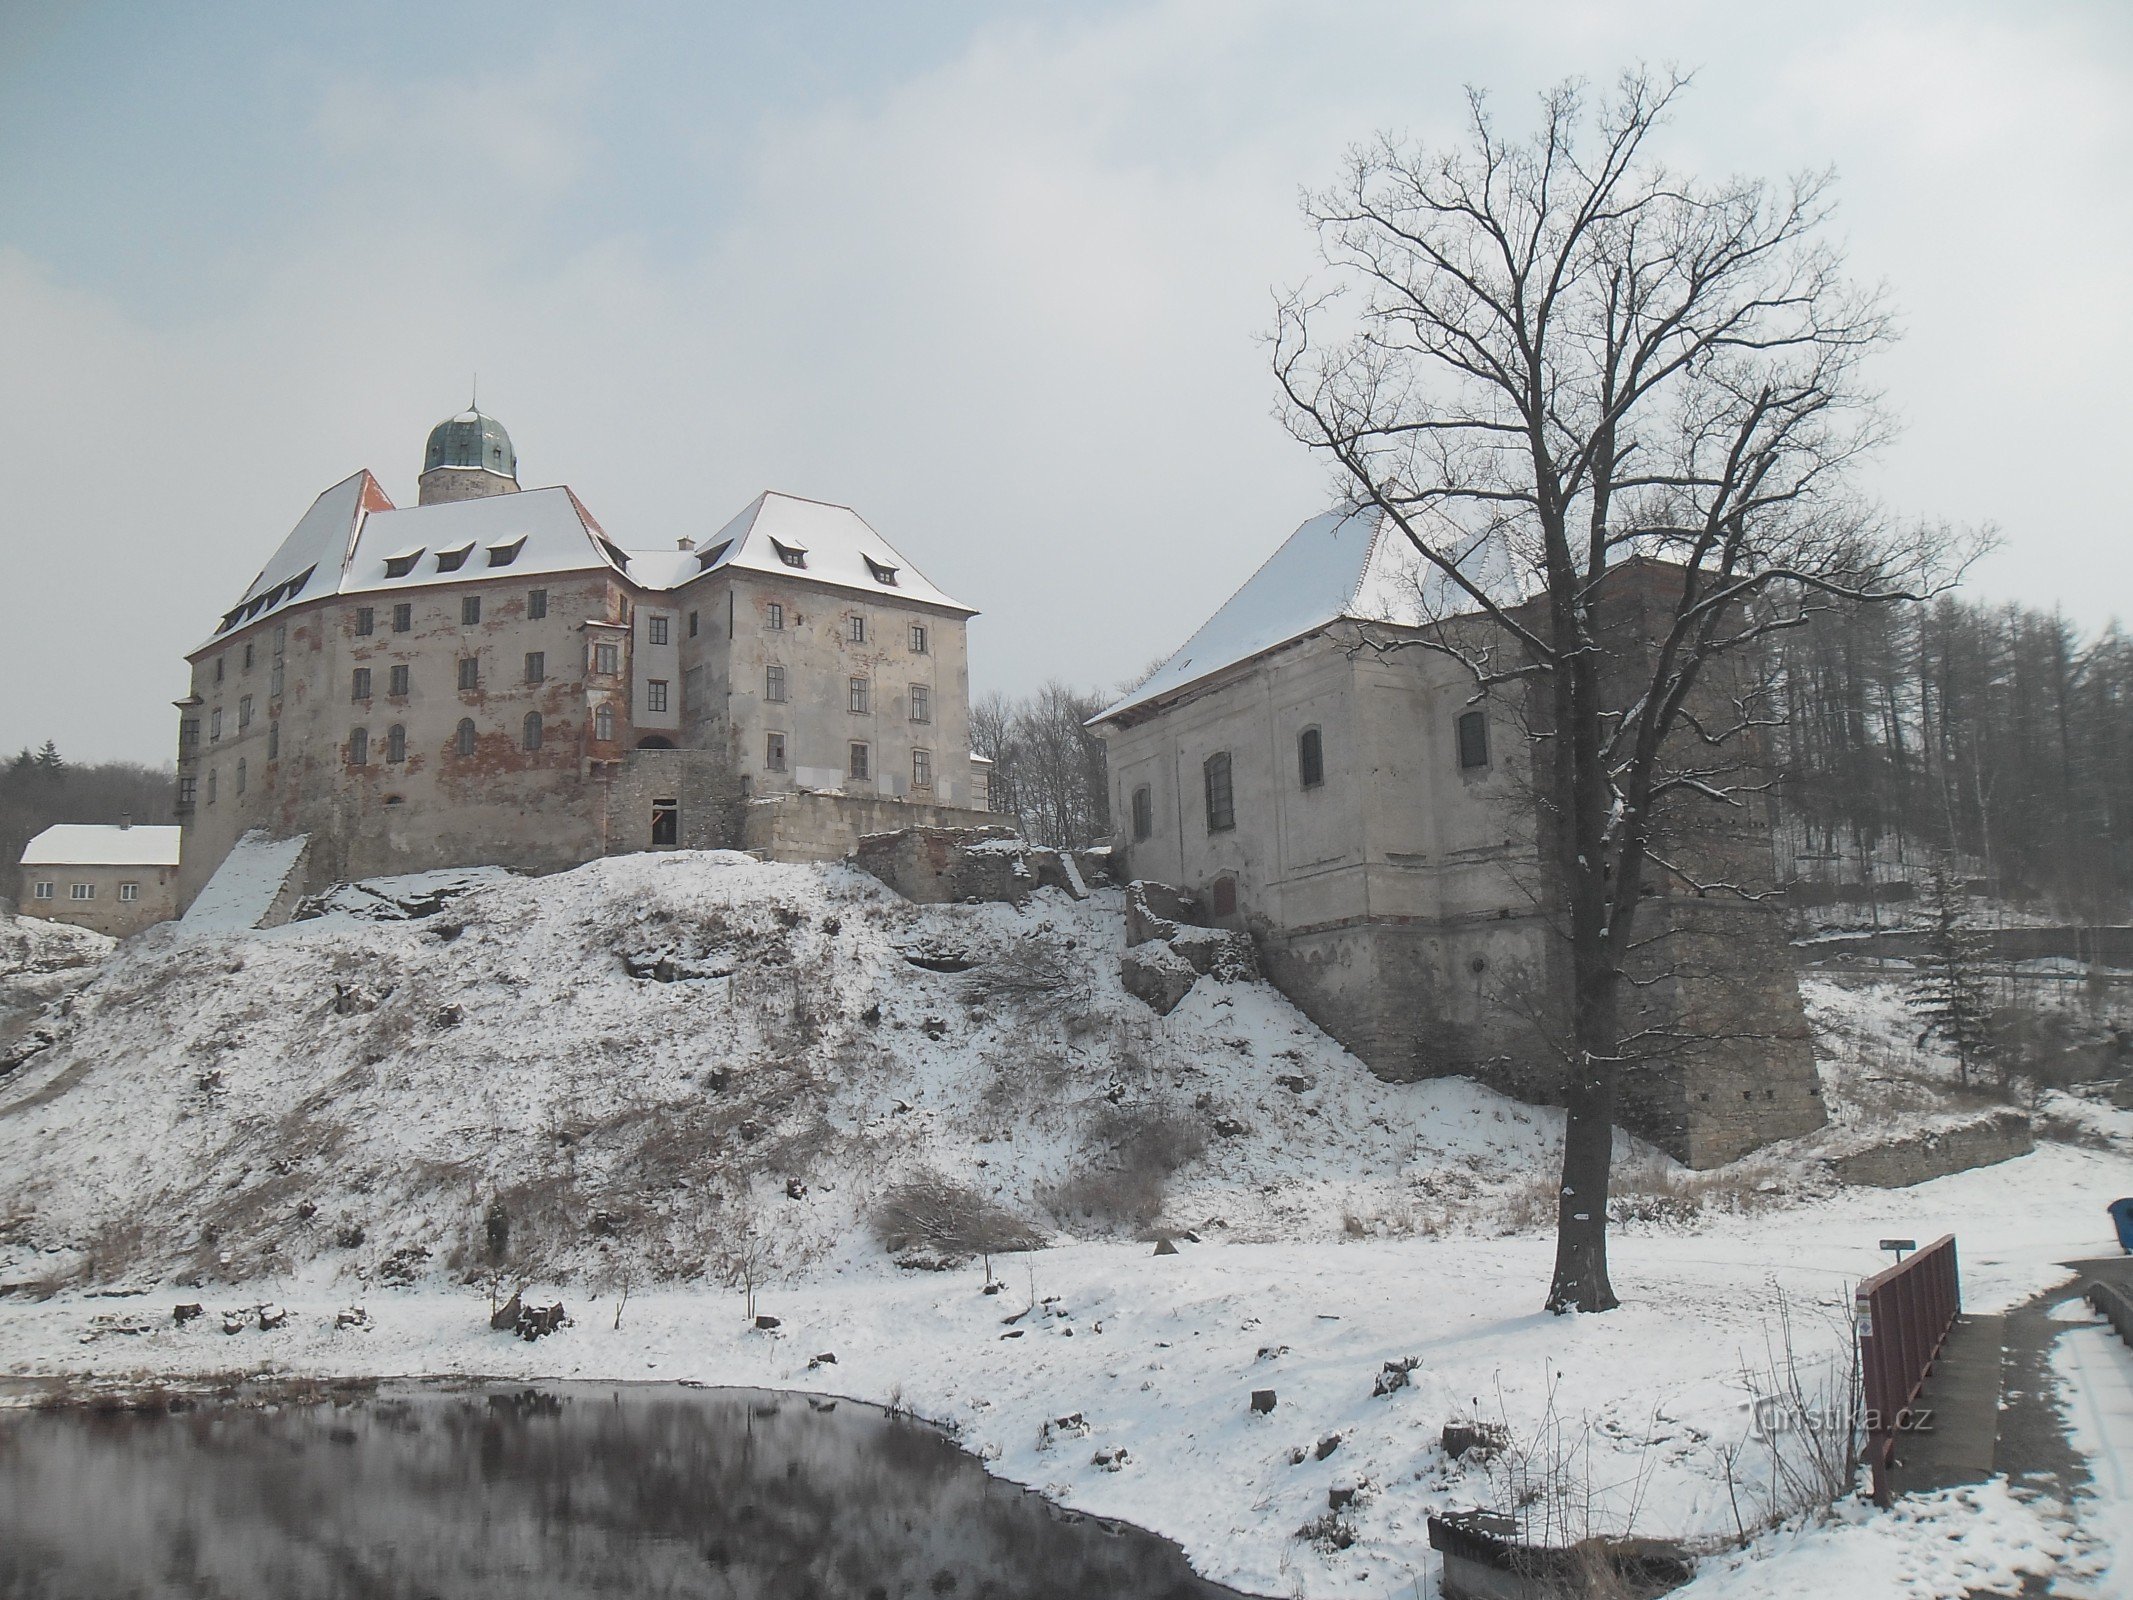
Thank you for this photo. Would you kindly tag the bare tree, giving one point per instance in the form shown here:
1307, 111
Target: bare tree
1048, 767
1565, 374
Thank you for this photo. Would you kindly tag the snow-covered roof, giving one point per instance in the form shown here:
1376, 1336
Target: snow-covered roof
354, 540
1348, 564
783, 534
534, 532
102, 844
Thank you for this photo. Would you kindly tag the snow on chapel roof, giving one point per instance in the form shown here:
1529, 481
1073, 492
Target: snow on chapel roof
102, 844
1348, 564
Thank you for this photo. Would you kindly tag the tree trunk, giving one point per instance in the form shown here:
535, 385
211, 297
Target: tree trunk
1580, 1282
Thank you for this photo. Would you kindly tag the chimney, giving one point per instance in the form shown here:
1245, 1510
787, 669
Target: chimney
125, 819
686, 544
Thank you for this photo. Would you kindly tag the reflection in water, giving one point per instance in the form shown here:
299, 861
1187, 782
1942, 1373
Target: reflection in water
573, 1489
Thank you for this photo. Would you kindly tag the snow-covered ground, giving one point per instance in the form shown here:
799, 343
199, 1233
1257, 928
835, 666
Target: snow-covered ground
297, 1115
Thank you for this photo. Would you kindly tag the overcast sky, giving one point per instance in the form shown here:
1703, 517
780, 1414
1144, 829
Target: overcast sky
995, 275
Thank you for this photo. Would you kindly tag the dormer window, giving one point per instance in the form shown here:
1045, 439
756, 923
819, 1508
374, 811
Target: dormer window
614, 553
791, 554
400, 565
452, 560
295, 586
502, 555
707, 559
883, 574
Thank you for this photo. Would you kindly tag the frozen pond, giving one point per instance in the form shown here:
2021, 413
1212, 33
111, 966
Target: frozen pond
568, 1489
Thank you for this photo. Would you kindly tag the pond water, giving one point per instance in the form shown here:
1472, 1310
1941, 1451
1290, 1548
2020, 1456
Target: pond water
472, 1491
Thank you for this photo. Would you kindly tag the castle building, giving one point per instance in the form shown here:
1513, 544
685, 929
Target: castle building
1376, 828
488, 677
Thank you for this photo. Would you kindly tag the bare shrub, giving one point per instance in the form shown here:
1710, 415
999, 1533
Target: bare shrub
1036, 978
951, 1221
1128, 1157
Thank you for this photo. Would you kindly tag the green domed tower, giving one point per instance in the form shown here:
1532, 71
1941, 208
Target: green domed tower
468, 456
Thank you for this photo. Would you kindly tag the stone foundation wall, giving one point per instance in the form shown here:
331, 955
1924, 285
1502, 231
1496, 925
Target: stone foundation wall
812, 825
1995, 1137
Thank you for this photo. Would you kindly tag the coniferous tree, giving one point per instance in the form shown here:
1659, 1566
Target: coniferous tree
1949, 998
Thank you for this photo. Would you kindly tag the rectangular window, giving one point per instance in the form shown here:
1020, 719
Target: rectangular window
214, 725
1310, 759
359, 689
396, 743
1143, 812
469, 609
1473, 740
44, 891
860, 765
247, 667
692, 624
469, 672
536, 604
366, 621
918, 638
218, 668
536, 666
273, 741
774, 617
656, 629
274, 678
1221, 804
244, 712
655, 694
607, 658
856, 695
855, 629
397, 683
189, 734
81, 891
921, 703
129, 891
773, 683
774, 752
403, 616
692, 691
188, 788
358, 747
922, 769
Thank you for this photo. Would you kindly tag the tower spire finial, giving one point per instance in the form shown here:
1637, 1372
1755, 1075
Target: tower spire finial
474, 393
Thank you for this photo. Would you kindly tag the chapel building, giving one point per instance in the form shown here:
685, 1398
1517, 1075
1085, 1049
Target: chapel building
1376, 827
489, 677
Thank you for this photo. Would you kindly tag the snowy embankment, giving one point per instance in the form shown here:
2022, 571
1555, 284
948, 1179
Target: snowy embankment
297, 1116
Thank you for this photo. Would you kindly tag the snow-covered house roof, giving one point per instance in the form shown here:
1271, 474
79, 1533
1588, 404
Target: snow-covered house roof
102, 844
1349, 564
354, 540
783, 534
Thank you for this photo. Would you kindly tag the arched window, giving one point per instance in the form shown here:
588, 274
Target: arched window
604, 722
240, 775
1143, 812
1310, 759
359, 747
396, 743
466, 736
531, 736
1221, 799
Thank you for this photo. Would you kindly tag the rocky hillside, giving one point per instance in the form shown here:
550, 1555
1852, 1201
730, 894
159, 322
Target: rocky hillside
693, 1064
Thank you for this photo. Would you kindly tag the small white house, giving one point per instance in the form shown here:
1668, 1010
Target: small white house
114, 878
